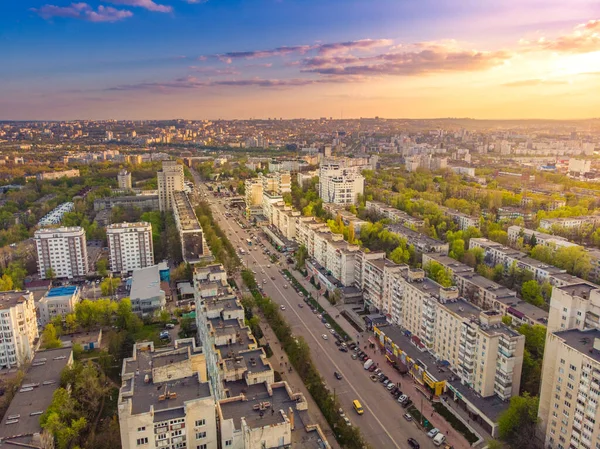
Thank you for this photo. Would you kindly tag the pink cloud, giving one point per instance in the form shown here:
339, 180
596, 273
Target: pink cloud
146, 4
585, 38
83, 11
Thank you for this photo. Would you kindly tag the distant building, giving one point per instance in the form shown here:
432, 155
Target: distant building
50, 176
19, 328
170, 179
62, 252
580, 166
124, 179
145, 294
339, 184
59, 301
130, 246
142, 202
20, 427
193, 245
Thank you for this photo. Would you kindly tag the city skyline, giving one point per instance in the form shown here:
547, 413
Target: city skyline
194, 59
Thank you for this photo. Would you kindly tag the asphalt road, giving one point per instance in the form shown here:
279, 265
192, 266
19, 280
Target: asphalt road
382, 423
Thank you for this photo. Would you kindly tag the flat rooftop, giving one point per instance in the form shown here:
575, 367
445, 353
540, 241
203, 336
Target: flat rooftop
463, 308
145, 283
412, 235
448, 262
12, 298
61, 291
35, 393
581, 290
489, 285
582, 341
252, 360
146, 395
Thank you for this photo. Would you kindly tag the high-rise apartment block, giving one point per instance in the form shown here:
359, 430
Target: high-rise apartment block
61, 252
20, 329
130, 246
170, 179
124, 179
339, 184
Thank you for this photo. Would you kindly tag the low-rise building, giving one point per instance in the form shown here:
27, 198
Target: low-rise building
422, 243
19, 328
145, 293
530, 236
50, 176
58, 301
463, 221
393, 214
20, 426
569, 222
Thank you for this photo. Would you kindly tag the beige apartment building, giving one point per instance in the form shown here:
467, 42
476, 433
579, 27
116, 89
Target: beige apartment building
170, 179
20, 328
130, 246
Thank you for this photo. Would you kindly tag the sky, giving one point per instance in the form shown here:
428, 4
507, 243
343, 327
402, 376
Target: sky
242, 59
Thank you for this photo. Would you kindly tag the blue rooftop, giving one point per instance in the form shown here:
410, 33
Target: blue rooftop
62, 291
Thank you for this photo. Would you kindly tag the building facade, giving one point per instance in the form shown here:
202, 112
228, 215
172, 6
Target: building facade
339, 184
124, 179
170, 179
61, 252
20, 328
130, 246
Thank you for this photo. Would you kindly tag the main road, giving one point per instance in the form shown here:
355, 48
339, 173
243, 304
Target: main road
382, 424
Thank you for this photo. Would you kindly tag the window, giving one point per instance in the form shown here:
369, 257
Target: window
141, 429
201, 446
200, 422
200, 435
141, 441
228, 443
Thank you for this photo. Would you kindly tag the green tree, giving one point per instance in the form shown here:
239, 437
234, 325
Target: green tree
109, 285
517, 425
17, 272
102, 267
50, 273
532, 293
50, 338
301, 256
438, 273
6, 283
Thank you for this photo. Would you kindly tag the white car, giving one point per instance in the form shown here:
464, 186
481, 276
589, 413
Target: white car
327, 325
347, 421
324, 337
282, 307
433, 432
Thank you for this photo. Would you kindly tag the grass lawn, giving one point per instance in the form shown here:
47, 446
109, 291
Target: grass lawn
150, 332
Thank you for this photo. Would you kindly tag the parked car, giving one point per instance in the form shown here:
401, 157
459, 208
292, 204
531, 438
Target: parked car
433, 432
343, 349
282, 307
328, 326
324, 337
170, 326
354, 356
374, 378
386, 382
407, 416
402, 398
347, 421
413, 443
391, 386
300, 305
337, 375
407, 403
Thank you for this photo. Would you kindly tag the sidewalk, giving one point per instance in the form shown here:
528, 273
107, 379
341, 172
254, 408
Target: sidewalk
279, 361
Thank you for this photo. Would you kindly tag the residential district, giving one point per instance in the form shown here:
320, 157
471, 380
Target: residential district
322, 283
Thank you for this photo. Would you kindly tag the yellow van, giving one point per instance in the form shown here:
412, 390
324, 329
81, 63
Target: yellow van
358, 407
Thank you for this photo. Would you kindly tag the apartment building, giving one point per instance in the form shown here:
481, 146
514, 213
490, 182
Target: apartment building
574, 306
53, 175
19, 326
393, 214
124, 179
130, 246
253, 195
463, 221
279, 182
570, 390
486, 354
421, 242
165, 400
570, 222
194, 248
170, 179
498, 254
339, 184
285, 219
541, 238
55, 216
61, 252
58, 301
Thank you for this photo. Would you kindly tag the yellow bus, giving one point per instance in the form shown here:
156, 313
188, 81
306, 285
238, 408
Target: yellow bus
358, 407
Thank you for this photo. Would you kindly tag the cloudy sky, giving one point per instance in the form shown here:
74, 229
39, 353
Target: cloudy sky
145, 59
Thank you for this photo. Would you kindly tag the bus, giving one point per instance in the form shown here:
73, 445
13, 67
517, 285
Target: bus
358, 407
249, 242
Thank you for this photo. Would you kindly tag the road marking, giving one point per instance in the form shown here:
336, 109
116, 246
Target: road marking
323, 349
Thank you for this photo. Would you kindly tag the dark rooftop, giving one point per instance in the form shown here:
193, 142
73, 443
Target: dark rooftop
12, 298
35, 393
581, 290
582, 341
